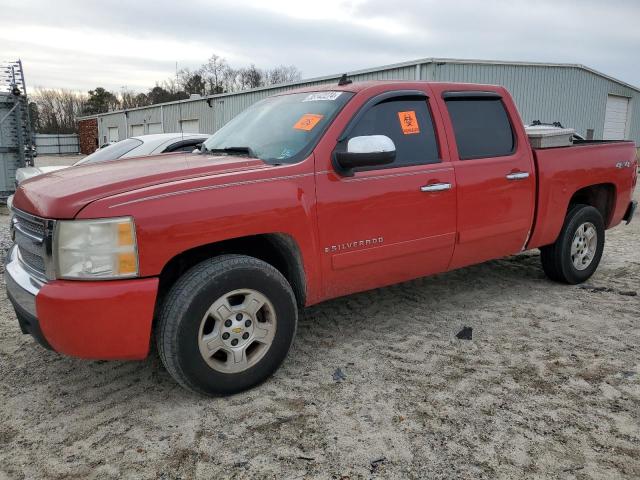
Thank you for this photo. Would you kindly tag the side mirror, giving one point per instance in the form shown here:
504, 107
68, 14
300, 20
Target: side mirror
197, 148
365, 151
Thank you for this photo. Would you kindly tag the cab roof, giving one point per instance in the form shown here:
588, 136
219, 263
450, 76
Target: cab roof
356, 87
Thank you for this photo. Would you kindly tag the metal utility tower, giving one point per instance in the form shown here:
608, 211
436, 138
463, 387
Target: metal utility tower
16, 135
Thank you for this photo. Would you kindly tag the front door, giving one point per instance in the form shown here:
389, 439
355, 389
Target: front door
388, 224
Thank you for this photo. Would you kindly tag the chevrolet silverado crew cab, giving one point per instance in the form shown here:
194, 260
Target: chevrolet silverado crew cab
305, 196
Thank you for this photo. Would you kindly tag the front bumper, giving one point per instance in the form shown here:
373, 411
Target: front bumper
95, 320
22, 290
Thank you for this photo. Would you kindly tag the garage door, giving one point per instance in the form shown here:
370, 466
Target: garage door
155, 128
615, 118
137, 130
113, 134
190, 126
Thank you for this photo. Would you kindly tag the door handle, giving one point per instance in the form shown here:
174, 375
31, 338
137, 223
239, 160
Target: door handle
518, 176
435, 187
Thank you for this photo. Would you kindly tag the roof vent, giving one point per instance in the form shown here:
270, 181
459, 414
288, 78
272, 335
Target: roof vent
195, 96
344, 80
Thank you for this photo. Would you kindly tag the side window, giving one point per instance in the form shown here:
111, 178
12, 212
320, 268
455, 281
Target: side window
482, 127
183, 146
408, 123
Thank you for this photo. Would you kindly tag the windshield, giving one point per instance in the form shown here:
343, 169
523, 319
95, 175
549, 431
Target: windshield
281, 129
111, 152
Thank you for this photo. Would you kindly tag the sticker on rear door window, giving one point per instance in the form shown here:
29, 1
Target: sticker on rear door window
409, 122
308, 121
320, 96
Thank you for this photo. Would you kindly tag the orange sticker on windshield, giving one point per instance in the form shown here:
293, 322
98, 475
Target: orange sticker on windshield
308, 121
409, 122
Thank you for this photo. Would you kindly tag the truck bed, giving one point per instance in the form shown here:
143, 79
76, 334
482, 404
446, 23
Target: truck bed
598, 142
565, 170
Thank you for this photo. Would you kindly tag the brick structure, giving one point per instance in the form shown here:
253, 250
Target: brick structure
88, 130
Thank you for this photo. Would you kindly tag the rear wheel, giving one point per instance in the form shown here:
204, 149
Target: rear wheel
576, 254
226, 325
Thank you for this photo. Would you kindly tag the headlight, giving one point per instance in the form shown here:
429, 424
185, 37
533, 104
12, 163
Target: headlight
96, 249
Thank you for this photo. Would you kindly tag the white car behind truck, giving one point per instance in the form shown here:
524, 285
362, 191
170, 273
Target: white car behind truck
138, 146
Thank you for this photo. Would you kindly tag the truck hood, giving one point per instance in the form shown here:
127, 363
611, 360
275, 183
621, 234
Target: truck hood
63, 193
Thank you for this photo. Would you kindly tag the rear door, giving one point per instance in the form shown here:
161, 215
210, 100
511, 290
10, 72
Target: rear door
154, 128
113, 134
190, 126
137, 130
387, 224
494, 173
616, 117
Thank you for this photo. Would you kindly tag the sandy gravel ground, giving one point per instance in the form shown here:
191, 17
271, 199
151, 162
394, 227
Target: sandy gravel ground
549, 387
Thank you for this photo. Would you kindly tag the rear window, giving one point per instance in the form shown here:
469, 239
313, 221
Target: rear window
482, 127
111, 152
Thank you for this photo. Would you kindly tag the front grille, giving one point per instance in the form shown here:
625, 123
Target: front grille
33, 225
31, 237
32, 260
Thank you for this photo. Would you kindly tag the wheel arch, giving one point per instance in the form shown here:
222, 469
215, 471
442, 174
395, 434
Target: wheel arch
277, 249
601, 196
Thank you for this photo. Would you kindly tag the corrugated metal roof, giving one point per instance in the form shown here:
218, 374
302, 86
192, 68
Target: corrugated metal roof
402, 69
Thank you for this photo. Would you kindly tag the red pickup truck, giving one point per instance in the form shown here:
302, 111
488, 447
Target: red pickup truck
305, 196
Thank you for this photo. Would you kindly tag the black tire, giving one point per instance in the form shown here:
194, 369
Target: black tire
189, 299
556, 258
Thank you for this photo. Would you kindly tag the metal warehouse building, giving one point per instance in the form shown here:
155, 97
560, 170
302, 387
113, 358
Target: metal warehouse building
596, 105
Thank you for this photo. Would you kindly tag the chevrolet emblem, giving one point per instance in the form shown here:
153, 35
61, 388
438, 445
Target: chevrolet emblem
237, 330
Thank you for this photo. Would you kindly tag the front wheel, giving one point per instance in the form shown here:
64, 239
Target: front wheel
576, 254
226, 325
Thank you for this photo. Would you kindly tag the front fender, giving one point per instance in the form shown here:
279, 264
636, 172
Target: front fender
174, 218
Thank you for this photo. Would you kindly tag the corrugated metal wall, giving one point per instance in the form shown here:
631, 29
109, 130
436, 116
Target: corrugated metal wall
574, 96
143, 117
198, 110
116, 119
57, 144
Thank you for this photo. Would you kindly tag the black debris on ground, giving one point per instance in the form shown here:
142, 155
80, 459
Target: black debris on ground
377, 463
465, 334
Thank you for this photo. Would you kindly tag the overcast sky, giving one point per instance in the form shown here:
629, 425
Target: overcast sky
134, 43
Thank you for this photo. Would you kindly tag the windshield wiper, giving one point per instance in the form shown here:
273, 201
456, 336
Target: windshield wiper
231, 151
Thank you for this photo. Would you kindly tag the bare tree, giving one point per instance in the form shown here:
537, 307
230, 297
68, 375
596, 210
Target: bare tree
55, 110
219, 77
58, 109
230, 80
250, 77
130, 99
282, 74
215, 71
191, 82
